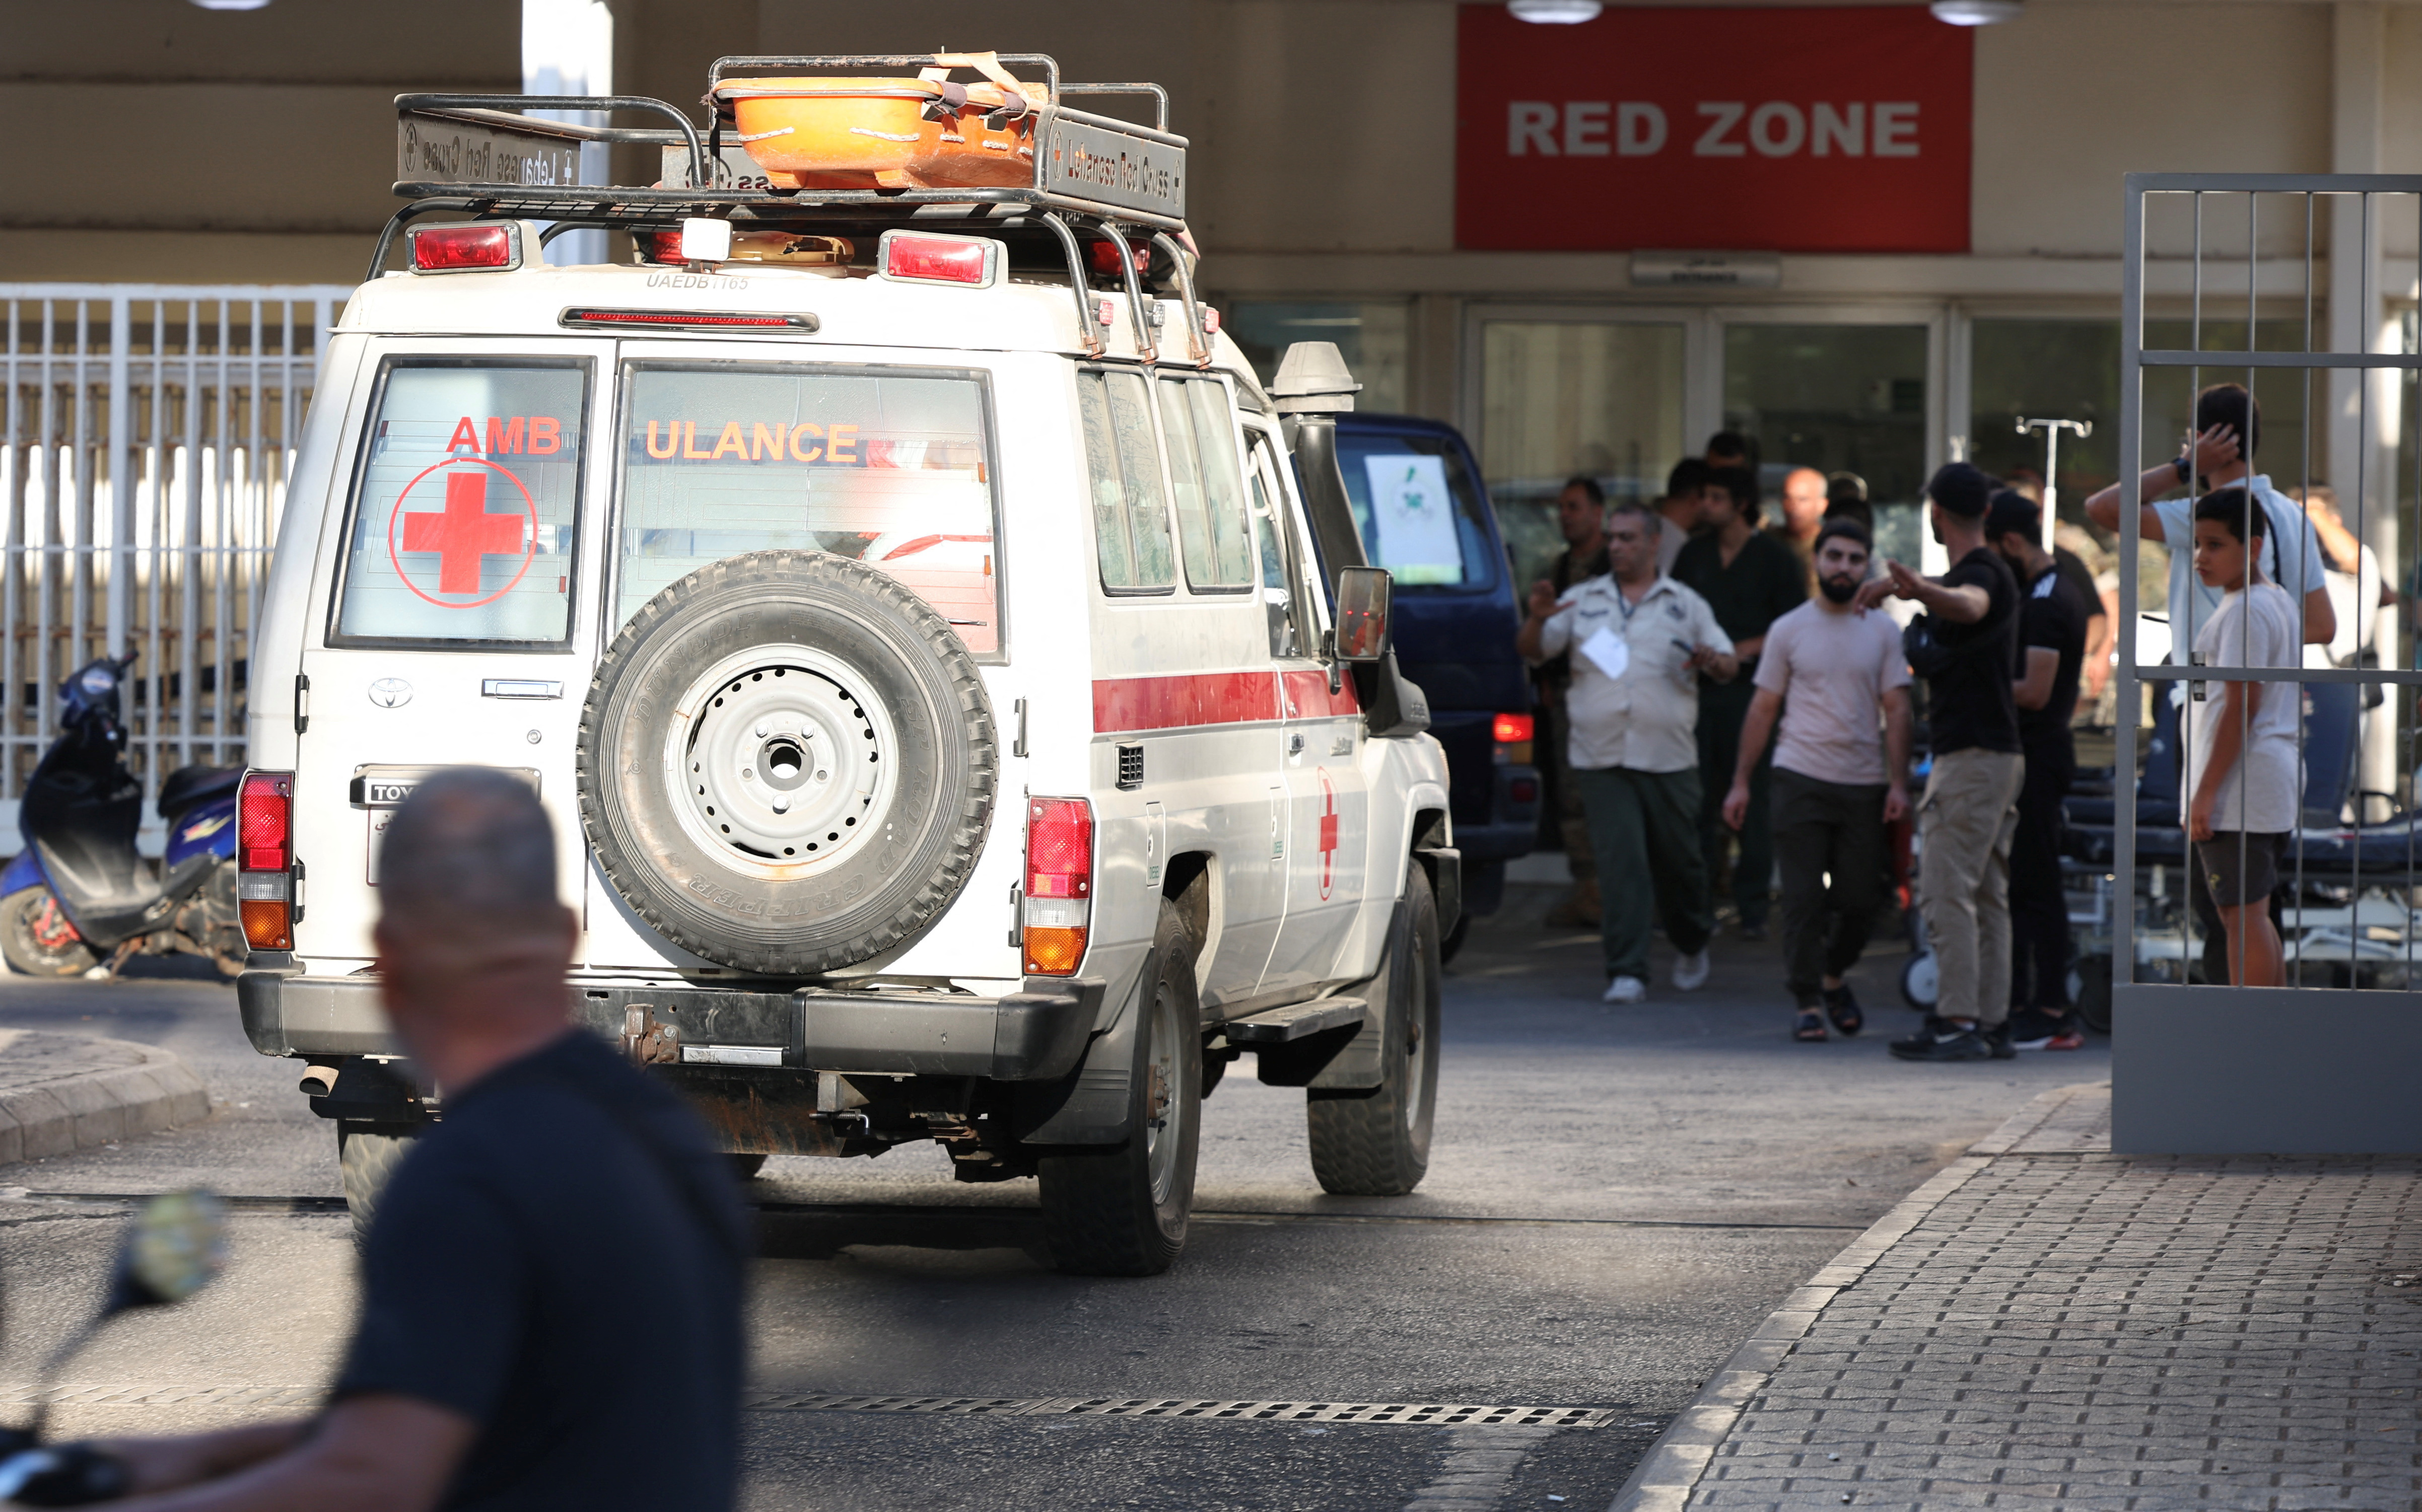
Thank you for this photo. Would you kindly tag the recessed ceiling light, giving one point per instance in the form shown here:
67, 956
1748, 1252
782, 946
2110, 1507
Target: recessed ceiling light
1555, 12
231, 5
1977, 12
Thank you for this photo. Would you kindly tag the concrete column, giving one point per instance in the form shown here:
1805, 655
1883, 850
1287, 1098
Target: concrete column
2361, 39
2361, 438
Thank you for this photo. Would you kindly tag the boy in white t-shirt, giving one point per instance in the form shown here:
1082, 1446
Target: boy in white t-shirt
2241, 787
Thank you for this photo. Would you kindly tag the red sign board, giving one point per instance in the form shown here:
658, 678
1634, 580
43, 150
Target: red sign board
1791, 129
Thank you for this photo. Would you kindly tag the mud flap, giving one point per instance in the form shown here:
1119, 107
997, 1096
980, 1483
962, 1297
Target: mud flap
1089, 1105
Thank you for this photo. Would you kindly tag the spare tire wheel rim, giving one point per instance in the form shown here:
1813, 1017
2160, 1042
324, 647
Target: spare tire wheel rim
781, 765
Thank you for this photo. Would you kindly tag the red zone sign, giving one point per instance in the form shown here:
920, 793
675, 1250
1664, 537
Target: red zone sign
1834, 128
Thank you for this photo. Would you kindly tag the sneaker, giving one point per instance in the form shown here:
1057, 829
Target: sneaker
2035, 1029
1691, 971
1948, 1043
1625, 989
1997, 1039
1843, 1009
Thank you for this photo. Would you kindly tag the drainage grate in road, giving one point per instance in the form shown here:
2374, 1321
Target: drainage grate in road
1416, 1415
1408, 1414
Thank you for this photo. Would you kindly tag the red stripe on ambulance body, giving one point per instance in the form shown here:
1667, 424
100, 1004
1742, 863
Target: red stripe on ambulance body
1124, 703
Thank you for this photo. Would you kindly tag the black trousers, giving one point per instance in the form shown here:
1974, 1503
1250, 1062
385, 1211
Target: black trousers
1823, 828
2039, 941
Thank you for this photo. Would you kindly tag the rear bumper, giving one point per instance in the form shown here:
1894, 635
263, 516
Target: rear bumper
1031, 1036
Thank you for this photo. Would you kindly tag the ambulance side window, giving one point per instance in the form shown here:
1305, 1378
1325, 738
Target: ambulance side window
1130, 500
1211, 527
1276, 549
466, 503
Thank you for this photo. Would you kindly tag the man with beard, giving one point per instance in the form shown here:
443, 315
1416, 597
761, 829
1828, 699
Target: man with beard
1833, 674
2052, 646
1969, 642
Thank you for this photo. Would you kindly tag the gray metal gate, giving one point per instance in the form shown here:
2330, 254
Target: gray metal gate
2327, 1062
148, 434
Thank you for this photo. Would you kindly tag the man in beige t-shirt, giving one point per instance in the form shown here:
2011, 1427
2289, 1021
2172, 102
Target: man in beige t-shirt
1835, 675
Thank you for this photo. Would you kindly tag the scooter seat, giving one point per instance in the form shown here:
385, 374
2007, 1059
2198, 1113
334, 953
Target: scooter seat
189, 788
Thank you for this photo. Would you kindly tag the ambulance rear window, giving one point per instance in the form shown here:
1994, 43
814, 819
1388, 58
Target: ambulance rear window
885, 468
467, 505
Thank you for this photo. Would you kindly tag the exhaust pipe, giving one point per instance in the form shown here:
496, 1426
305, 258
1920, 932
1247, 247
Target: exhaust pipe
317, 1081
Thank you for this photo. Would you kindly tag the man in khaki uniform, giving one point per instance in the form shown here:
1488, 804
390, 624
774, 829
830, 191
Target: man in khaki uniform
1639, 640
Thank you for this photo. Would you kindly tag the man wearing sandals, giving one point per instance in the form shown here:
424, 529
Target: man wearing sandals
1834, 675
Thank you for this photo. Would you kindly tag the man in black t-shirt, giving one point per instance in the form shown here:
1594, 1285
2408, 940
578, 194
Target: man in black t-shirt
1750, 579
2052, 641
552, 1287
1966, 648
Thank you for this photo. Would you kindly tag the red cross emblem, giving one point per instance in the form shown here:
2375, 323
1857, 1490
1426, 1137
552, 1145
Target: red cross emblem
1328, 830
463, 533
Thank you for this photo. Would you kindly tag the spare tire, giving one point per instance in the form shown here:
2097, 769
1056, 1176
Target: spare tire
787, 763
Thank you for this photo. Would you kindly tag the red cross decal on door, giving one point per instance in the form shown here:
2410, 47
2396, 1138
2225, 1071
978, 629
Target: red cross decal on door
1328, 830
464, 534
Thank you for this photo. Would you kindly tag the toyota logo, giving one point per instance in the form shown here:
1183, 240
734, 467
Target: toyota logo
391, 692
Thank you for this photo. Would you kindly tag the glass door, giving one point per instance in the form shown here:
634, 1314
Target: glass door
1561, 393
1853, 392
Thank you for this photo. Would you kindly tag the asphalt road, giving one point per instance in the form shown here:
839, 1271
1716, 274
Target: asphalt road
1616, 1197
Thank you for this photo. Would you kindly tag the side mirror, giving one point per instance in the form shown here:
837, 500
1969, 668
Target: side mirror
1362, 598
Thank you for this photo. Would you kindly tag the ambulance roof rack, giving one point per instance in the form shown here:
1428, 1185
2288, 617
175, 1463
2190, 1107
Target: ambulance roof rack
1112, 180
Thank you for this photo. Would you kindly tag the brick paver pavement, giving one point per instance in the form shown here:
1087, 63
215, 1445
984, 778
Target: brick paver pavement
2045, 1325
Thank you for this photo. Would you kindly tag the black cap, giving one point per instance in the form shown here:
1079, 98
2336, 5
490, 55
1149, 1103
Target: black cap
2012, 511
1960, 489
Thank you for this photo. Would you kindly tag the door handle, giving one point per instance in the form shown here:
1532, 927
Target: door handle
519, 688
1295, 743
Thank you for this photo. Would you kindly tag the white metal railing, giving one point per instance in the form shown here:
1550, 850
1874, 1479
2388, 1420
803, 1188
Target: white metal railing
145, 435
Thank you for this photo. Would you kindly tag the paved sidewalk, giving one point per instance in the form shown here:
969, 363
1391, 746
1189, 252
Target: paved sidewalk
2044, 1324
65, 1092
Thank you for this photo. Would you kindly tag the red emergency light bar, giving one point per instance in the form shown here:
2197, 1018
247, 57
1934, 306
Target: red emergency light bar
684, 319
920, 258
455, 249
1105, 257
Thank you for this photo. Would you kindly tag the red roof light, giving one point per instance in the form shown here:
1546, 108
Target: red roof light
939, 259
447, 249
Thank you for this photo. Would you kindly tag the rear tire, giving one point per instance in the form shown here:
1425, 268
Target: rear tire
1454, 938
1121, 1210
31, 939
367, 1155
1376, 1143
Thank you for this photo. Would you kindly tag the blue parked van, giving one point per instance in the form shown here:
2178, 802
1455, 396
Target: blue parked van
1425, 518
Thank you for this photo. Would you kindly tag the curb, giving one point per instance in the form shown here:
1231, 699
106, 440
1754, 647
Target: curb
1669, 1471
93, 1108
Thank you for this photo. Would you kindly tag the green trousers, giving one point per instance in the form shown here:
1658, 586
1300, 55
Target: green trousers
1644, 827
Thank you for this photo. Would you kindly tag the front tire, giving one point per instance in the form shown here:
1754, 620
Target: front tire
37, 939
367, 1155
1376, 1143
1121, 1210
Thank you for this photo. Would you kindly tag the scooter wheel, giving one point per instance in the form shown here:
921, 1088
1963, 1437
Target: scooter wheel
1921, 982
37, 939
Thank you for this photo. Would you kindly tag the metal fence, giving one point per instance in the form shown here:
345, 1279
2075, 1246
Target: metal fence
149, 431
2268, 255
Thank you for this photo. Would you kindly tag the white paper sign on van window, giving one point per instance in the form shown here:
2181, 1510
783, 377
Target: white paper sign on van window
1412, 514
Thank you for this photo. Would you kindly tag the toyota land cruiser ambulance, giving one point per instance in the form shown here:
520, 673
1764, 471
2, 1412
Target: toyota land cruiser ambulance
958, 720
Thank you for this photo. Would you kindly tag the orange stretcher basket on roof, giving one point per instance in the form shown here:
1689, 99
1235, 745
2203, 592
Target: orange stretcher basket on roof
924, 133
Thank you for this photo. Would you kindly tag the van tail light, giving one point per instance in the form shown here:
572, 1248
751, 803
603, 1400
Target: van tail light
1059, 884
454, 249
264, 853
1513, 734
919, 258
1103, 255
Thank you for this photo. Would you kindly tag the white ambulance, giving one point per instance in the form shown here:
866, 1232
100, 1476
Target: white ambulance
955, 684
